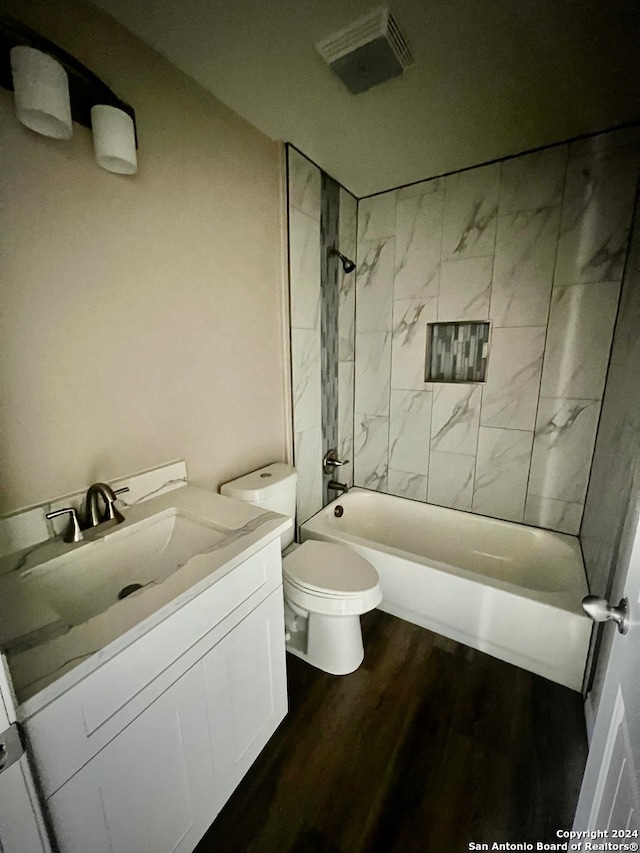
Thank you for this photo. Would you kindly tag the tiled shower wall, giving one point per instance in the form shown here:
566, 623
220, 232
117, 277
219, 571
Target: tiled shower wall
307, 254
535, 245
616, 458
613, 497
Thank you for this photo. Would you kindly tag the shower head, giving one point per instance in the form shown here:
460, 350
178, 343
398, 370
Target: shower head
347, 264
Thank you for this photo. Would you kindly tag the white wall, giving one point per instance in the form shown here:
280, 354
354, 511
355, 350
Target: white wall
142, 319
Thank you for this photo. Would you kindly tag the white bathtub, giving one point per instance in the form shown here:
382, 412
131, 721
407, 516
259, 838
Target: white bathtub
509, 590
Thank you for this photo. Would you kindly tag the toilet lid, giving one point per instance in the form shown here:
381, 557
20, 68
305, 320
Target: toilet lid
330, 568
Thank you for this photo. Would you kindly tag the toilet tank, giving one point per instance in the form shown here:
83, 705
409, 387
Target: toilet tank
272, 487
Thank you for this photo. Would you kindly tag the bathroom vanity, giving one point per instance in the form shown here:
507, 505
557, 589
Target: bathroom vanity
142, 719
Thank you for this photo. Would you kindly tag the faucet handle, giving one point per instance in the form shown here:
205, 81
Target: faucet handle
330, 461
111, 512
74, 533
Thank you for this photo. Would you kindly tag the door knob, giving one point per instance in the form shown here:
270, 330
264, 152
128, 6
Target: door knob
600, 610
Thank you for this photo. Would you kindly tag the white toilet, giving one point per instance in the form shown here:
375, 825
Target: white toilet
326, 586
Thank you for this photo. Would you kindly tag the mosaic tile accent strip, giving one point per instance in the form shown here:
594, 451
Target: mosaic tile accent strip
329, 311
457, 352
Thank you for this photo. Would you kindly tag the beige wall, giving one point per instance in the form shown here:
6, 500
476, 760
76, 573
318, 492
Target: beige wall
141, 319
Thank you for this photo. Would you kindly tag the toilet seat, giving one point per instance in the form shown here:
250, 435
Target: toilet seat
330, 579
327, 569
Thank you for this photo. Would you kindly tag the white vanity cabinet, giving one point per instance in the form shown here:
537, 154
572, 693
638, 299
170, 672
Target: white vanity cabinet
142, 754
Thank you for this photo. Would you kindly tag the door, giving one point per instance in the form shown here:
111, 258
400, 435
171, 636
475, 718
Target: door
609, 795
21, 823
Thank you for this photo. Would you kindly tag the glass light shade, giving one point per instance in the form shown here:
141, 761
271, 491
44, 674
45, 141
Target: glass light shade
41, 89
114, 140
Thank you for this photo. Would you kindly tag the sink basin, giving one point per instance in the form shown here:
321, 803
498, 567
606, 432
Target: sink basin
97, 574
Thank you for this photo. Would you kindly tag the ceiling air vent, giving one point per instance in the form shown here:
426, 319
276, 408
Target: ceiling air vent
368, 51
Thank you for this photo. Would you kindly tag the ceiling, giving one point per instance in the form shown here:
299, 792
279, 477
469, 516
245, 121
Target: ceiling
491, 77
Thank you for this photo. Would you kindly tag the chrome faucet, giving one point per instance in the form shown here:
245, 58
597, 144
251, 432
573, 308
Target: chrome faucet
111, 512
335, 486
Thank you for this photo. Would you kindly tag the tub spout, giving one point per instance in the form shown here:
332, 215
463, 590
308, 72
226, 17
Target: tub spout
335, 486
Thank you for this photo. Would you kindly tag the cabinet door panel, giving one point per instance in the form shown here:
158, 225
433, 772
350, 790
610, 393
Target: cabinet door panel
245, 682
151, 790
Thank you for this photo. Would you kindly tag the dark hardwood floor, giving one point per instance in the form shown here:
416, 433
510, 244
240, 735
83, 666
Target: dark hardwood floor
427, 747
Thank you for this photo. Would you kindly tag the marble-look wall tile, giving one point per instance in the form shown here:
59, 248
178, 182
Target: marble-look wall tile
410, 319
346, 376
455, 418
373, 363
533, 181
347, 281
553, 514
409, 431
308, 461
406, 485
371, 446
305, 357
523, 267
345, 455
304, 195
510, 396
605, 143
451, 480
579, 340
374, 286
535, 246
502, 471
417, 250
347, 317
377, 216
612, 488
348, 226
304, 253
304, 184
563, 448
596, 214
432, 185
470, 210
345, 399
465, 289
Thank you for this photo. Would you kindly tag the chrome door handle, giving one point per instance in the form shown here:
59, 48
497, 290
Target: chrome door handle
600, 610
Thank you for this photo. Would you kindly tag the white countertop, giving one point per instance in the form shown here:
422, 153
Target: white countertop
46, 656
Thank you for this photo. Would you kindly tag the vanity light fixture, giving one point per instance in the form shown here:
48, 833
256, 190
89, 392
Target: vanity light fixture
53, 90
41, 88
114, 139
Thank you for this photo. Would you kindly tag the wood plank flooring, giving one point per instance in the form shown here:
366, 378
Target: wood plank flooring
427, 747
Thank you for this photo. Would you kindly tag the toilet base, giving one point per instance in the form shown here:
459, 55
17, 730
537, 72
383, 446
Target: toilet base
334, 643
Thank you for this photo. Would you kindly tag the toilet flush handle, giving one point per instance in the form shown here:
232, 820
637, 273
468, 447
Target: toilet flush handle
330, 461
